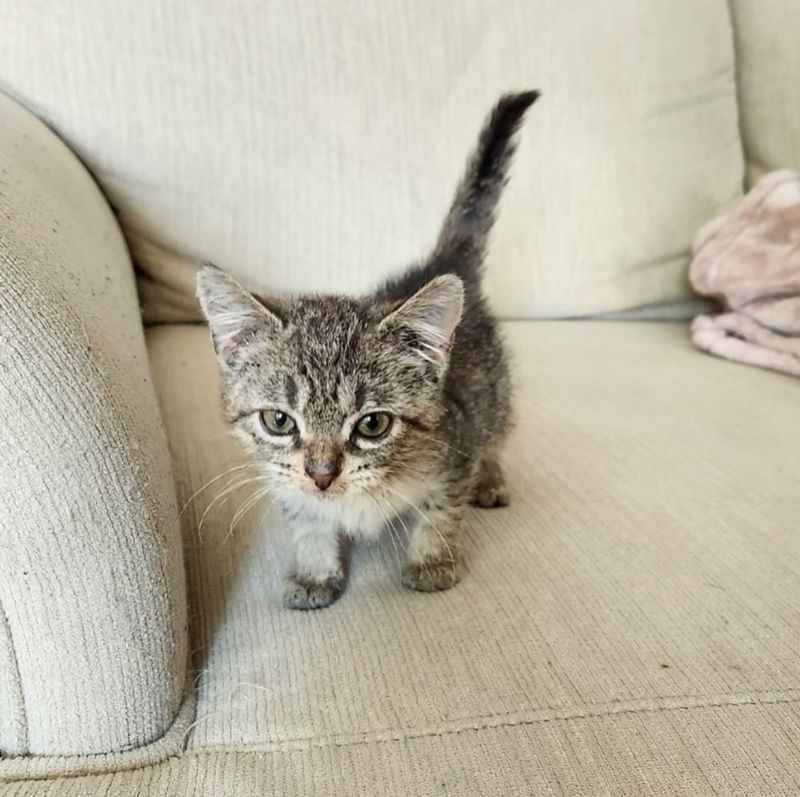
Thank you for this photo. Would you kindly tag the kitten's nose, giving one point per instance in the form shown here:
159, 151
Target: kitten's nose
323, 475
323, 480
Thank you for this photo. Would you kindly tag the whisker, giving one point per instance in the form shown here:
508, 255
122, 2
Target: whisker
400, 518
401, 470
388, 522
428, 520
452, 448
244, 508
212, 481
224, 495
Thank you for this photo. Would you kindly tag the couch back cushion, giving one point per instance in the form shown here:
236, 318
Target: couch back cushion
315, 146
768, 59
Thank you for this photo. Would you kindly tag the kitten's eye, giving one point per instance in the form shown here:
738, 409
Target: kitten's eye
277, 422
376, 424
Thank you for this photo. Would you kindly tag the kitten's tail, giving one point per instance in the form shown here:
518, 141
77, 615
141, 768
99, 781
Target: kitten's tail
464, 236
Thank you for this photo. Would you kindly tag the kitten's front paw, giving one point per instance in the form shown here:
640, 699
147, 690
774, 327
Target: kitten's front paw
431, 576
304, 593
488, 496
490, 487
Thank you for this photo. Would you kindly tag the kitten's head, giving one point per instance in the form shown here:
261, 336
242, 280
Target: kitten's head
332, 396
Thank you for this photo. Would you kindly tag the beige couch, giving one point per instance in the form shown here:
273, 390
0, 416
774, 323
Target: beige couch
628, 626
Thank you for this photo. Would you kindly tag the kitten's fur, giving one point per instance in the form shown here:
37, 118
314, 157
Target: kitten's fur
423, 348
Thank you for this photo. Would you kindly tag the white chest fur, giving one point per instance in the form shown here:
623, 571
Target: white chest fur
362, 515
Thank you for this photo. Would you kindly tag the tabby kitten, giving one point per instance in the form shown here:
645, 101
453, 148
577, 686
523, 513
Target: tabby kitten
388, 409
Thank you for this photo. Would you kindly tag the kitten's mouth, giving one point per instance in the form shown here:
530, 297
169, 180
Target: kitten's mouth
331, 494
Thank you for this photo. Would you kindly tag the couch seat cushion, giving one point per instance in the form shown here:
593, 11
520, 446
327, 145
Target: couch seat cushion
644, 584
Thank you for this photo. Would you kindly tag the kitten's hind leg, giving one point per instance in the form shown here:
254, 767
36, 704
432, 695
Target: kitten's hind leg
490, 488
320, 572
434, 561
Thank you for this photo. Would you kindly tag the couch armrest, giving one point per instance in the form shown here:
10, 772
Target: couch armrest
92, 600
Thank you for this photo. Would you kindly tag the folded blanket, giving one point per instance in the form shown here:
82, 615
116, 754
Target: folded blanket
749, 260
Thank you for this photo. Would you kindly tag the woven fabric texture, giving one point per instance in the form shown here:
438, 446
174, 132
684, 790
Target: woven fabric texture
92, 598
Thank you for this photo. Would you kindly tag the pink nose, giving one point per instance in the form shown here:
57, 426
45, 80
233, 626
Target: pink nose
323, 471
323, 480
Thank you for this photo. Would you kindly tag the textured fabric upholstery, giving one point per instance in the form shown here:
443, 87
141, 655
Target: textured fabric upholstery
769, 72
627, 626
92, 598
317, 144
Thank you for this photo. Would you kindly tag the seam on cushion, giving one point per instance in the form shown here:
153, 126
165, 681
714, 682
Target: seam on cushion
785, 697
514, 719
170, 745
733, 28
16, 677
779, 698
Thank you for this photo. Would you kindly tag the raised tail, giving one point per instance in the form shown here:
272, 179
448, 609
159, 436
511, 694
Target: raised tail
465, 232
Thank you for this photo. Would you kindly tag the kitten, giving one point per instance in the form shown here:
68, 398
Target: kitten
388, 409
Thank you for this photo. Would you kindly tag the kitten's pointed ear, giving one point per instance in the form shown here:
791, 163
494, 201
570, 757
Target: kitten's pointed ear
234, 315
432, 314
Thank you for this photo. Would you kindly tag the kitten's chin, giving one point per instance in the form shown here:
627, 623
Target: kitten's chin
321, 496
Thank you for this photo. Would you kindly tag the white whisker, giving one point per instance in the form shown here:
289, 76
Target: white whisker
453, 448
244, 508
389, 524
213, 481
400, 518
428, 521
223, 496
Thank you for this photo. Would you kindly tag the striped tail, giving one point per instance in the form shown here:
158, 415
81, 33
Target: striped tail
465, 232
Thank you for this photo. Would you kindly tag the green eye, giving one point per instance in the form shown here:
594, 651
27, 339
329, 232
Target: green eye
277, 422
376, 424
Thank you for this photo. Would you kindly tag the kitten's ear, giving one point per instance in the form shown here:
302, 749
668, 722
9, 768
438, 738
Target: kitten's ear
432, 313
233, 313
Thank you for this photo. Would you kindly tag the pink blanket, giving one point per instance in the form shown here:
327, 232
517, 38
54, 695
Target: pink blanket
749, 260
